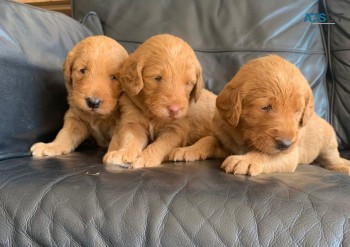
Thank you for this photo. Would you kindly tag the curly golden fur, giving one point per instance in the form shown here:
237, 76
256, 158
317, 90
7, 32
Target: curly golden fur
165, 105
90, 71
266, 118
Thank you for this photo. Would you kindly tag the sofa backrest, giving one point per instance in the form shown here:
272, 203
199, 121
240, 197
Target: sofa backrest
33, 46
338, 40
225, 34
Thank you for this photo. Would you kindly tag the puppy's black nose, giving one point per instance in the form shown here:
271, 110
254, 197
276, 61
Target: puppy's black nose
283, 144
93, 102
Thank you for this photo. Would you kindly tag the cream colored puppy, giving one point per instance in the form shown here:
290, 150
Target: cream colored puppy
266, 119
93, 90
165, 105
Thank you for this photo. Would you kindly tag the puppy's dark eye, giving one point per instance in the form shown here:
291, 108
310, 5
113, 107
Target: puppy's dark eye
158, 78
82, 71
190, 83
266, 108
113, 77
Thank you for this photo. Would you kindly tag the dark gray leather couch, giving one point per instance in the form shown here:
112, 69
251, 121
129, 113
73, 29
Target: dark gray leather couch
74, 200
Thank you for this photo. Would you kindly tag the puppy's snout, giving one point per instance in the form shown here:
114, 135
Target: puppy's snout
173, 110
283, 144
93, 102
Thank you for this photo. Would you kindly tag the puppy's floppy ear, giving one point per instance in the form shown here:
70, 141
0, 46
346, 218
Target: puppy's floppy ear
67, 68
197, 89
309, 107
229, 104
130, 75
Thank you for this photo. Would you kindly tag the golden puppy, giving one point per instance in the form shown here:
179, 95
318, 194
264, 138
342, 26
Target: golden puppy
165, 105
93, 90
266, 118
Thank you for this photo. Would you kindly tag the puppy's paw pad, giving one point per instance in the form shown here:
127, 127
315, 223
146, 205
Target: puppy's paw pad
239, 165
47, 149
122, 157
341, 168
142, 162
185, 154
230, 164
254, 169
138, 163
177, 155
241, 168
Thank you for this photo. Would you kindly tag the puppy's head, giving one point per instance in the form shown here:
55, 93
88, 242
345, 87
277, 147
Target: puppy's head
163, 75
90, 72
268, 100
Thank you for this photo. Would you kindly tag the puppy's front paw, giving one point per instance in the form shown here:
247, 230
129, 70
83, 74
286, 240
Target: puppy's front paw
340, 168
144, 161
186, 154
48, 149
122, 157
241, 165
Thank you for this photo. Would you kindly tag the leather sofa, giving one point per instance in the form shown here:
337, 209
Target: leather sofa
74, 200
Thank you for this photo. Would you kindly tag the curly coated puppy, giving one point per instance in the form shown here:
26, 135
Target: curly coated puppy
93, 90
165, 105
266, 118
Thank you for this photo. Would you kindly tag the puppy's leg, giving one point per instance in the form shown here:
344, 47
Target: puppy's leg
207, 147
255, 163
330, 159
68, 138
156, 152
126, 145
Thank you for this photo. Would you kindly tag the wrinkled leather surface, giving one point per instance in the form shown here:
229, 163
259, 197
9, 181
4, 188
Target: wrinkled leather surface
33, 45
75, 201
339, 45
225, 34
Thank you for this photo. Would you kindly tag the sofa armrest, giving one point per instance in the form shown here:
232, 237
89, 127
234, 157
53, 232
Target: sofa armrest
33, 44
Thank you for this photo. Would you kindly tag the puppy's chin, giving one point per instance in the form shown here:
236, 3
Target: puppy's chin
275, 150
100, 112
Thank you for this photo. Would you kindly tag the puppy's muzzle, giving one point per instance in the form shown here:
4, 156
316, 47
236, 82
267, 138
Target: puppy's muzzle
93, 103
283, 144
